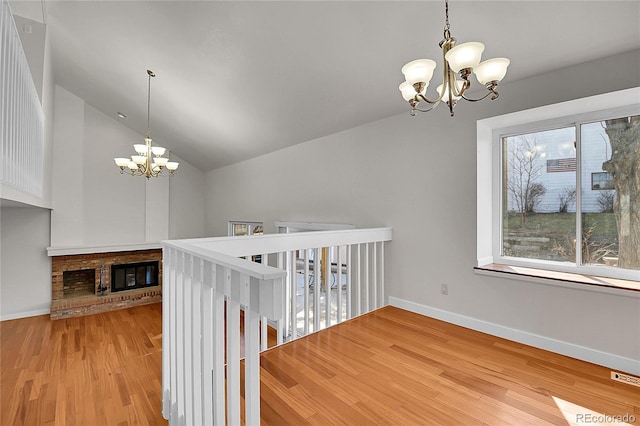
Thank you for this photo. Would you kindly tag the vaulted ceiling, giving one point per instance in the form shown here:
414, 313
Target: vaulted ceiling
236, 79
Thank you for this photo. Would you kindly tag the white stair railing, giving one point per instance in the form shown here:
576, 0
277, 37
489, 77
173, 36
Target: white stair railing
198, 286
319, 279
21, 114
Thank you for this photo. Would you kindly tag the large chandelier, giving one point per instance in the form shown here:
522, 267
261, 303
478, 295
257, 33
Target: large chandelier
461, 60
143, 164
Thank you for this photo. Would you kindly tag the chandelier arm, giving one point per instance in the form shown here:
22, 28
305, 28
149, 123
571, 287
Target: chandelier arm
424, 98
428, 109
491, 91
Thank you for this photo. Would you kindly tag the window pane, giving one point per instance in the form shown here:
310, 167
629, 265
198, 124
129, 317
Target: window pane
610, 229
240, 229
539, 195
257, 230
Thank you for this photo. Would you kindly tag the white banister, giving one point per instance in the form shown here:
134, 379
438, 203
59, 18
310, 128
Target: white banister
204, 278
21, 114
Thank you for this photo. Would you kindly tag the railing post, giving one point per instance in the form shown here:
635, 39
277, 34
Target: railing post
167, 336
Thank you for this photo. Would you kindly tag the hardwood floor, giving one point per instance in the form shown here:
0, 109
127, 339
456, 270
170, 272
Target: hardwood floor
398, 368
388, 367
102, 369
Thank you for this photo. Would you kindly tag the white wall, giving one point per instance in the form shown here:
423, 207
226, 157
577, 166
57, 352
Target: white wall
418, 175
186, 201
94, 205
25, 268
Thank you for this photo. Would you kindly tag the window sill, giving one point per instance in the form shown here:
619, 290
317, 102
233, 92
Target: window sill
564, 279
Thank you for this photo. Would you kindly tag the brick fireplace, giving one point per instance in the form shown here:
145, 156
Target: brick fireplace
82, 280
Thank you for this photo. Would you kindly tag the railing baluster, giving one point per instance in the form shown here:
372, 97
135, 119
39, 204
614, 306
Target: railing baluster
219, 287
196, 339
316, 290
358, 286
381, 263
305, 283
208, 342
339, 284
233, 346
374, 271
252, 354
349, 281
367, 281
327, 286
264, 323
187, 347
291, 257
283, 322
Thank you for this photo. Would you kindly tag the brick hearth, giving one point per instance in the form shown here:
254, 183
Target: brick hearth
79, 303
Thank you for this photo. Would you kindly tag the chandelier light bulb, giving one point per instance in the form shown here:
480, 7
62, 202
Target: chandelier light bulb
408, 91
158, 151
141, 149
492, 70
161, 161
172, 165
419, 71
465, 55
122, 162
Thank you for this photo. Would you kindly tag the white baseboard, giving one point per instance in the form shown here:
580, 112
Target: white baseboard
17, 315
606, 359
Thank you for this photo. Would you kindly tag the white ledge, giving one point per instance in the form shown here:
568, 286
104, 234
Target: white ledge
66, 251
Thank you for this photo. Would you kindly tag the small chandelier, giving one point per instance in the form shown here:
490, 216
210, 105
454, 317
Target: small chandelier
142, 164
462, 60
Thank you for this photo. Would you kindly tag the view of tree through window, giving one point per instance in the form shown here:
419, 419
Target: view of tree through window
543, 189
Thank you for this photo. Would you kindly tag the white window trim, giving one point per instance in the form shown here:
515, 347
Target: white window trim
488, 177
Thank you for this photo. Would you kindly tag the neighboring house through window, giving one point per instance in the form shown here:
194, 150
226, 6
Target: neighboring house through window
553, 192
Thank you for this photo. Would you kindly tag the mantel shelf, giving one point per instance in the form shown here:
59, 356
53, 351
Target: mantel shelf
66, 251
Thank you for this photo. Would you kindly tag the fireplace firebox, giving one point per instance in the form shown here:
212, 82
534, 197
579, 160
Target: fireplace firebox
134, 275
78, 283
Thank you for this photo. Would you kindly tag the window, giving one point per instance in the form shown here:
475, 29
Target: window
239, 228
553, 191
243, 228
601, 181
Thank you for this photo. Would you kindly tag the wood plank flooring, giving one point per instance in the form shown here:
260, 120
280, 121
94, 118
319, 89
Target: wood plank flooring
102, 369
388, 367
393, 367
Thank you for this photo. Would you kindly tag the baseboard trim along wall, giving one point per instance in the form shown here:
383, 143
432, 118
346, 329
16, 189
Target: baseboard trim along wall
615, 362
27, 314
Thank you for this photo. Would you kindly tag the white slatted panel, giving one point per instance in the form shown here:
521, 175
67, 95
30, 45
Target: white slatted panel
21, 114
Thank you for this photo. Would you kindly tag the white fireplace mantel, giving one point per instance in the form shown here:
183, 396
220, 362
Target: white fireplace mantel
67, 251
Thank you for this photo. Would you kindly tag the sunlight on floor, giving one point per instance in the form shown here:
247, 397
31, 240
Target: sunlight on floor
578, 415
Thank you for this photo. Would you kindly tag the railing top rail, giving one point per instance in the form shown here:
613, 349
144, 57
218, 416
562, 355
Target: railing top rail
253, 269
274, 243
